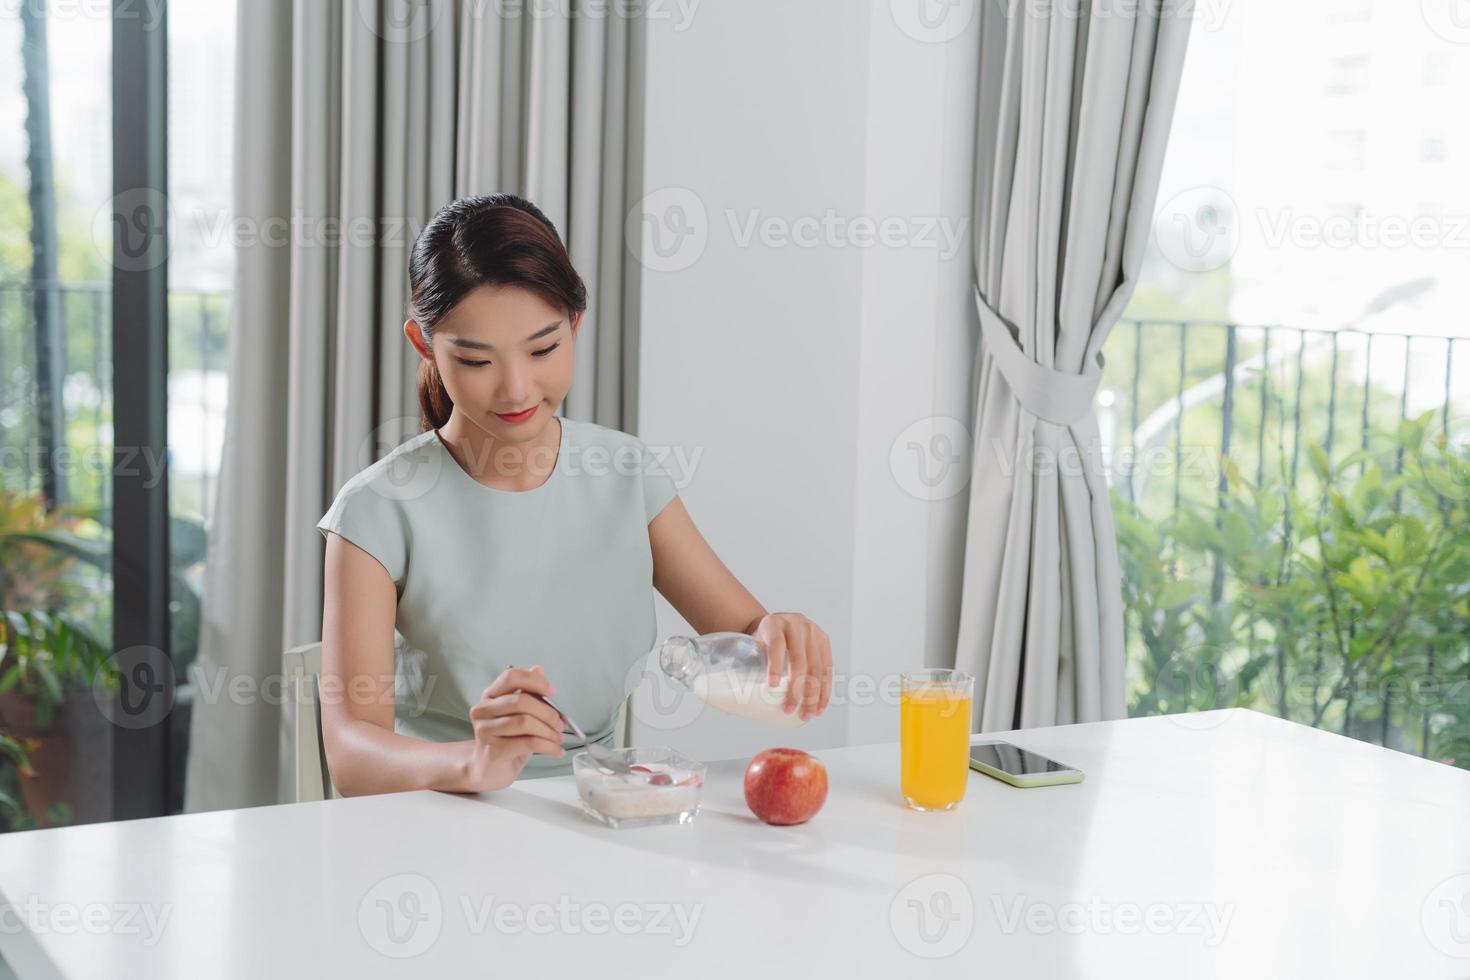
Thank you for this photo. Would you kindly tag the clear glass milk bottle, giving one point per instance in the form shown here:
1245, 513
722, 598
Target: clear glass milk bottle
728, 671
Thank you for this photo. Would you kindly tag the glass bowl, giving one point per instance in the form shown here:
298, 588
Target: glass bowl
668, 793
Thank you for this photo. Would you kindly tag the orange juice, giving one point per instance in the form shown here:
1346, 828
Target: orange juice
934, 723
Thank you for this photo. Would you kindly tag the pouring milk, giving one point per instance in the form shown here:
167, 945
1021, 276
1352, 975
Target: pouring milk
728, 671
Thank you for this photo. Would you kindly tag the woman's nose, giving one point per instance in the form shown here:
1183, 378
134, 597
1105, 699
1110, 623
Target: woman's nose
513, 385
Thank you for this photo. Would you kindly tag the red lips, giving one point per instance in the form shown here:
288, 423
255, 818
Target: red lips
518, 416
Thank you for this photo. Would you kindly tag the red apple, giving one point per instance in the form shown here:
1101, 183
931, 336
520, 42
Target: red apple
785, 786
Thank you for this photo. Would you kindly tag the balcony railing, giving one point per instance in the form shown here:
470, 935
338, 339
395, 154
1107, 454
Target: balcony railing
1257, 378
197, 393
1308, 420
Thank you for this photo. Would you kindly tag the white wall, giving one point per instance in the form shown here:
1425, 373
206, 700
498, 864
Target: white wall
791, 367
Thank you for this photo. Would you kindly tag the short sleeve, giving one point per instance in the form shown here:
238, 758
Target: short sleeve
373, 522
658, 486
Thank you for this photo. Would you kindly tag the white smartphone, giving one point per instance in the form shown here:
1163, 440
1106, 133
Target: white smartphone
1020, 767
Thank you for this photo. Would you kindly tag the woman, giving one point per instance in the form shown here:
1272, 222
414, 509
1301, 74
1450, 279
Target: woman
504, 534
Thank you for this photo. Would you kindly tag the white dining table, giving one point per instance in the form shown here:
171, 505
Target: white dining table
1219, 844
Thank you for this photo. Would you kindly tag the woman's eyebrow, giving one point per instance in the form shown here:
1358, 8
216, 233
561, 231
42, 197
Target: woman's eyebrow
477, 345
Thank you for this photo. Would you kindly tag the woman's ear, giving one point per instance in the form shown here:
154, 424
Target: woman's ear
416, 337
577, 323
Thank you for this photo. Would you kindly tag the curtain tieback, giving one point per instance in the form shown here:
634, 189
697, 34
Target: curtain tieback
1056, 396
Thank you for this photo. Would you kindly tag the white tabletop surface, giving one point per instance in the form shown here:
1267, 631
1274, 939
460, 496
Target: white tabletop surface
1222, 844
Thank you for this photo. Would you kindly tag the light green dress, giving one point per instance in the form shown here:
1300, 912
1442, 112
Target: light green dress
561, 576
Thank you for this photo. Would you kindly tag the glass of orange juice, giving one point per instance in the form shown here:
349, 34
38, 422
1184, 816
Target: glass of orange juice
934, 722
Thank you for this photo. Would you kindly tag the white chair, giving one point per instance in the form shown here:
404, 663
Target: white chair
302, 666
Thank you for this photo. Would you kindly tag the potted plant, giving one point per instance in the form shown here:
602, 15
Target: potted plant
46, 657
45, 662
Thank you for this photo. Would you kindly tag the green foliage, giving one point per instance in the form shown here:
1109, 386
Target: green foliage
14, 764
1343, 597
43, 654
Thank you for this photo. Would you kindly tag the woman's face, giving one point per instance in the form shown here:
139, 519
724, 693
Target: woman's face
503, 350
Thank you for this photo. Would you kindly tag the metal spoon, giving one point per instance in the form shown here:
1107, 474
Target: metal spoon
604, 757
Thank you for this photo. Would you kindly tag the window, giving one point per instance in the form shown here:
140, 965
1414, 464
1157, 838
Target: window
1247, 376
63, 288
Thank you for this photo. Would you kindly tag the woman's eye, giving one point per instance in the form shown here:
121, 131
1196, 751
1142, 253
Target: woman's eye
537, 353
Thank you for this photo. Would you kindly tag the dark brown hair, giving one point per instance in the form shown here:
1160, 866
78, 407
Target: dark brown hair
487, 240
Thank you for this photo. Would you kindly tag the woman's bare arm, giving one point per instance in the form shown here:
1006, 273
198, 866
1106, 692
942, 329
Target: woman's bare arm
691, 576
364, 755
688, 573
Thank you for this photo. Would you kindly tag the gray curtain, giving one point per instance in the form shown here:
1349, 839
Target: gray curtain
355, 121
1073, 120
